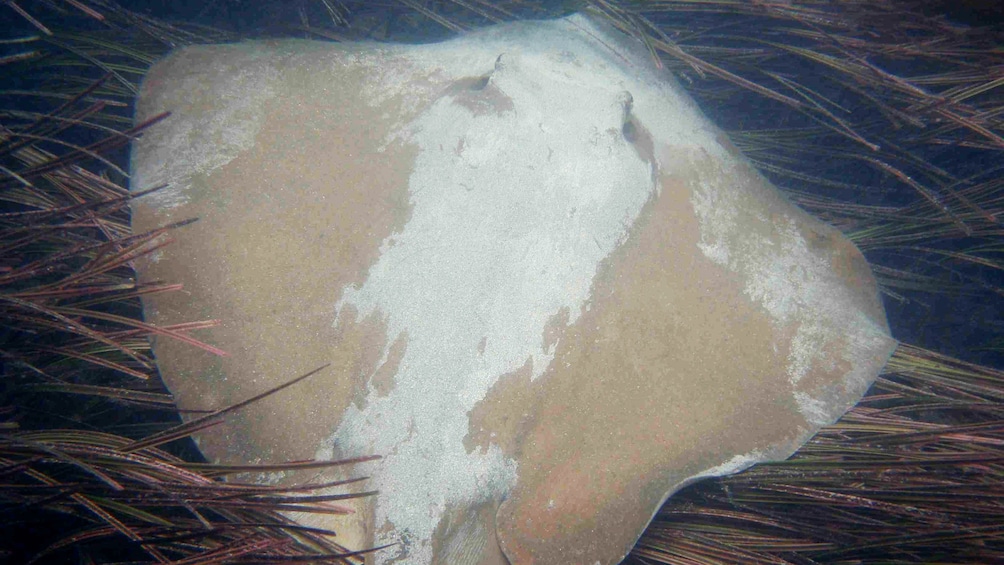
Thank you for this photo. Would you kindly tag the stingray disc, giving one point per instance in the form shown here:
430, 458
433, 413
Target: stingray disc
552, 293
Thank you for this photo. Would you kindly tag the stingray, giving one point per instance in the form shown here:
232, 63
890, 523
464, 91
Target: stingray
551, 292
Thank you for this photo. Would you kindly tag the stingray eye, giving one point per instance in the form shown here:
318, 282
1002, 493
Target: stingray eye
626, 101
482, 82
628, 128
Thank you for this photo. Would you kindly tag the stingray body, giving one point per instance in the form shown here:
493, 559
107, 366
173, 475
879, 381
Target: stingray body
551, 292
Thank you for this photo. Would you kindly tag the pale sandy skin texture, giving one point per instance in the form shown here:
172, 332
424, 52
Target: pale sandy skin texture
551, 293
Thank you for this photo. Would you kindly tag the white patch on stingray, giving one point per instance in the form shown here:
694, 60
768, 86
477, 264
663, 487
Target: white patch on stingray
814, 410
734, 465
512, 214
193, 145
795, 285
